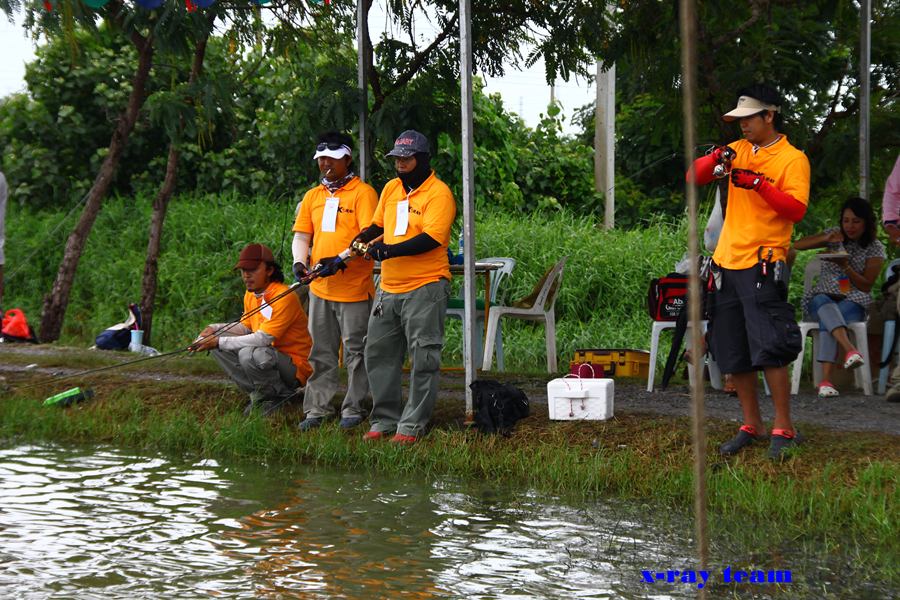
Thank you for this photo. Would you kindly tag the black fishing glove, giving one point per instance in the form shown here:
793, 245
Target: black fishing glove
368, 234
330, 266
300, 271
380, 251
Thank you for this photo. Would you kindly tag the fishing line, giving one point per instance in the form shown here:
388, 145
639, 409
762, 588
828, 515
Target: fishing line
264, 304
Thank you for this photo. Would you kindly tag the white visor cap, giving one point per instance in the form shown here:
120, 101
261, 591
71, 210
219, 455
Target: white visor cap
747, 106
338, 153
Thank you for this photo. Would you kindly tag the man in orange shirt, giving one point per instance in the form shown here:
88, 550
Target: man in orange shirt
414, 216
265, 353
752, 327
330, 217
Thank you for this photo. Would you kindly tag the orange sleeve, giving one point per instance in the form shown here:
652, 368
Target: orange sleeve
303, 222
366, 203
284, 313
439, 215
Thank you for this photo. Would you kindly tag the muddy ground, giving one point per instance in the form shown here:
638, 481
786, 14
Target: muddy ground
851, 411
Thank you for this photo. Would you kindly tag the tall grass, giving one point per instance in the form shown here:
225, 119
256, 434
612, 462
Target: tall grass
601, 303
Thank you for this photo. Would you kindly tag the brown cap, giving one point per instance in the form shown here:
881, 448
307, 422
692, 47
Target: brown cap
252, 255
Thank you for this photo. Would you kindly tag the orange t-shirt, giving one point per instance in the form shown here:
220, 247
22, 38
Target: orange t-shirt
432, 210
356, 204
285, 321
749, 220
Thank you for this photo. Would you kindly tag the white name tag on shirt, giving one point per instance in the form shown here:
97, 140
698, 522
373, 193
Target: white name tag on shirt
329, 215
402, 217
265, 310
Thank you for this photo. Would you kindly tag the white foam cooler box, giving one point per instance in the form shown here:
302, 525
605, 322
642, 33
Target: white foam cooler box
572, 399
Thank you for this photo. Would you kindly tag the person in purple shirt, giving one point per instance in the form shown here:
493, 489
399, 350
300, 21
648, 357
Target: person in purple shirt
890, 219
890, 205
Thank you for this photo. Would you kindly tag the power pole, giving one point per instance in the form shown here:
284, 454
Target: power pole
604, 141
865, 51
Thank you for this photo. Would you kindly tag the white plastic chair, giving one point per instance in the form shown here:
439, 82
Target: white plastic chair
887, 343
658, 327
862, 375
497, 276
543, 309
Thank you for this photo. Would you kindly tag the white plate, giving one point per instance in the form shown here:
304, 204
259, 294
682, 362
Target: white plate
829, 255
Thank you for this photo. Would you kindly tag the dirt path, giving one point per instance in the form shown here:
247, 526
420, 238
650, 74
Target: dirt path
848, 412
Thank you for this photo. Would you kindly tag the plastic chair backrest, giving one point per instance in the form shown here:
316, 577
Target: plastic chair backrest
544, 293
500, 274
810, 273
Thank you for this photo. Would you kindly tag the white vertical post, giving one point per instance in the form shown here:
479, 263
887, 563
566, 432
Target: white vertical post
604, 142
468, 199
865, 51
362, 86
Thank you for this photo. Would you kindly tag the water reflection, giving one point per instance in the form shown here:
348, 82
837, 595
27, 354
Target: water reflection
103, 524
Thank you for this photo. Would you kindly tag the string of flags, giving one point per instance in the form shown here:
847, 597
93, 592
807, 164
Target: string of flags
190, 5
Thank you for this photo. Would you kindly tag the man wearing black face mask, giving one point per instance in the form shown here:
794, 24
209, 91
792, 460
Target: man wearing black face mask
413, 216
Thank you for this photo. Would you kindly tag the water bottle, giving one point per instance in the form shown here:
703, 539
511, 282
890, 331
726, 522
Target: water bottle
462, 244
69, 397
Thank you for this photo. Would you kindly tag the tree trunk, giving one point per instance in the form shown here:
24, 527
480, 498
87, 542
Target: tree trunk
151, 266
55, 303
160, 206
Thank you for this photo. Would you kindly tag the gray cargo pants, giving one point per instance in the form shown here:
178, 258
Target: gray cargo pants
261, 371
411, 321
330, 324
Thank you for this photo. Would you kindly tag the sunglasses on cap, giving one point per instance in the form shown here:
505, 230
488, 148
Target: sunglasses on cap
330, 146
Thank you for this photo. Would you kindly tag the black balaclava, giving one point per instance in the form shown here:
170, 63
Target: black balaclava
417, 176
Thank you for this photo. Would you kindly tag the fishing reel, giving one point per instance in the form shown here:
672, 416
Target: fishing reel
723, 169
360, 248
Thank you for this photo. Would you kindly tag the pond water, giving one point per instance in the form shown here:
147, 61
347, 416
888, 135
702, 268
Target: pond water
102, 523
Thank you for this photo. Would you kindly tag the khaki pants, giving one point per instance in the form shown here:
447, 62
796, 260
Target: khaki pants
412, 321
261, 371
331, 324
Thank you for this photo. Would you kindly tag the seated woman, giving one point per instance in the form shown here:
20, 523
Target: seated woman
843, 291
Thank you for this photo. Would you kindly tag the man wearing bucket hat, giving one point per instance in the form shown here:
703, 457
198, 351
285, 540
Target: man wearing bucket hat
265, 353
409, 234
752, 327
331, 215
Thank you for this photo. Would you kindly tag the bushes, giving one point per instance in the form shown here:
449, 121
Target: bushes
601, 302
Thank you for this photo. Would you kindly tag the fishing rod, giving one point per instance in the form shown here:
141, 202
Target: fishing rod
356, 249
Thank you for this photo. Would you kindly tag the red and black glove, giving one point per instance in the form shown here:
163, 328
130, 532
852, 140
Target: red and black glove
703, 169
749, 180
781, 202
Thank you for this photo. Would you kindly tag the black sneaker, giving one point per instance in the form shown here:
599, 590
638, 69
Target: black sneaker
351, 422
269, 407
310, 423
745, 436
781, 445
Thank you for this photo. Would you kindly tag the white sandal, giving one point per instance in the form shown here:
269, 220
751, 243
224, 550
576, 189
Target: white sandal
826, 390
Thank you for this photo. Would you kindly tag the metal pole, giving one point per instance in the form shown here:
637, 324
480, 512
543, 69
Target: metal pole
362, 85
468, 199
688, 85
604, 142
865, 57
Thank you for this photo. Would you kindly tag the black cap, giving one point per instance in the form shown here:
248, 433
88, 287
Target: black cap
408, 143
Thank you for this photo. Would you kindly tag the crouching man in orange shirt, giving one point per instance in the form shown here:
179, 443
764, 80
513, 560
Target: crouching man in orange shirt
266, 353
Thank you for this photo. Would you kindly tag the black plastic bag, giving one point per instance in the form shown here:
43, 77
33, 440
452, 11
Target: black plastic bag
498, 406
